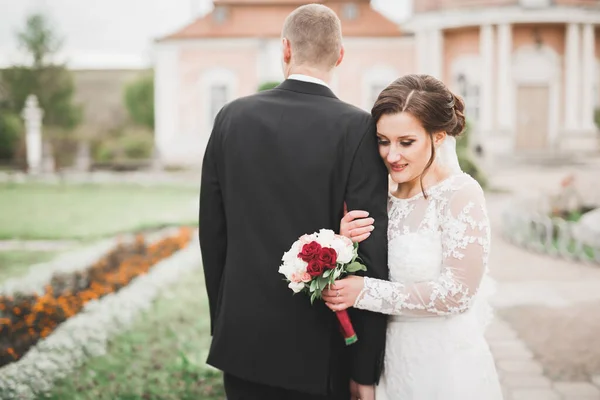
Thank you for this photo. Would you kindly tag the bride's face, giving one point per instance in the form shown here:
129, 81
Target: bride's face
404, 145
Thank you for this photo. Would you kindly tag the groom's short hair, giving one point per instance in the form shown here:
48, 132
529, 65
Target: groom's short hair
315, 35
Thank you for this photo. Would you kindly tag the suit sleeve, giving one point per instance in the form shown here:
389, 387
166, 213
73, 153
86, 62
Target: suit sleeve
368, 190
212, 223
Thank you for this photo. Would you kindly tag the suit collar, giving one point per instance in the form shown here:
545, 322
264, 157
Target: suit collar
316, 89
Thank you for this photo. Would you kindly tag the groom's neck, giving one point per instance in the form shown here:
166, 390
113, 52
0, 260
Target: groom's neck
325, 76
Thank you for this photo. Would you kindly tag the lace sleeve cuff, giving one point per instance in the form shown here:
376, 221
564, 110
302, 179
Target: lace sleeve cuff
381, 296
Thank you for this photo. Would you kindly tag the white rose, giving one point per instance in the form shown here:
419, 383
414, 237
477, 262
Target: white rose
345, 251
292, 254
287, 270
296, 286
326, 237
299, 265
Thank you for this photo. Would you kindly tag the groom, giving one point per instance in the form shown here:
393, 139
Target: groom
279, 164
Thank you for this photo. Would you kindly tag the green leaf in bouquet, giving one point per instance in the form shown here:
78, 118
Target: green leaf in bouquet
337, 274
313, 285
322, 282
327, 273
313, 297
355, 267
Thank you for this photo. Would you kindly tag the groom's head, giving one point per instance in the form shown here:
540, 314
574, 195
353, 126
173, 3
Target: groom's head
312, 40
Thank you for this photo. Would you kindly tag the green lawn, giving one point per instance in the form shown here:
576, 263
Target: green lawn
90, 211
161, 357
16, 263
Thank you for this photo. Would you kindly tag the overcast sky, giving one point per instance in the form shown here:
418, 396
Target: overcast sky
118, 33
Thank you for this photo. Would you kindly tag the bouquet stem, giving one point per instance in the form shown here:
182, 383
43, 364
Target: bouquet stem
346, 327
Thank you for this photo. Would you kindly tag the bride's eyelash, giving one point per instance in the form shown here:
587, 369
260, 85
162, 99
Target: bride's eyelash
382, 142
407, 143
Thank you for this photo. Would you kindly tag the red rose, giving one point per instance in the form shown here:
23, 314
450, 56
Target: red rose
328, 257
315, 268
309, 251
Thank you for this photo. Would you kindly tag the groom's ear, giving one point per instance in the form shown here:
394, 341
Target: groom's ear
287, 50
341, 57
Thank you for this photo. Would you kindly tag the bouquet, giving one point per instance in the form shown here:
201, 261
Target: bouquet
315, 262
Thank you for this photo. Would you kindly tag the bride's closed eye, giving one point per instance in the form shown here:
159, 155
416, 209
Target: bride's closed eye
382, 142
407, 143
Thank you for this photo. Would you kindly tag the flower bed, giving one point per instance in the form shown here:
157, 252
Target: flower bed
27, 318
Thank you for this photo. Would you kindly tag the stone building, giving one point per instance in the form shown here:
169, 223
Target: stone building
527, 69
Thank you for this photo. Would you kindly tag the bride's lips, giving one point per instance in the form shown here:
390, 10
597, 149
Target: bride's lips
398, 167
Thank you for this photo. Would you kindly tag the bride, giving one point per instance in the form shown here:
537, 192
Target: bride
438, 245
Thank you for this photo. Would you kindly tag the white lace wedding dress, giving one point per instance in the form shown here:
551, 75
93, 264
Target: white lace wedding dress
436, 296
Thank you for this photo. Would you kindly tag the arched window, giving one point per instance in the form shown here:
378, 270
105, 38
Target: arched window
375, 80
219, 86
469, 91
466, 83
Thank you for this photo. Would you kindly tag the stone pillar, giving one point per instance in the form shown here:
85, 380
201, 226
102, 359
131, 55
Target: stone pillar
588, 72
436, 48
486, 52
166, 100
505, 105
572, 81
422, 43
33, 114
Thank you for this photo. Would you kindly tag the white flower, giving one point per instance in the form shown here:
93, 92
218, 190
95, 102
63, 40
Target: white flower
299, 266
291, 255
326, 237
296, 286
344, 249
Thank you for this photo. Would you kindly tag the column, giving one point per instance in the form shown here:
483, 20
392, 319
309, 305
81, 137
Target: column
436, 47
486, 52
505, 106
166, 102
572, 81
588, 71
421, 41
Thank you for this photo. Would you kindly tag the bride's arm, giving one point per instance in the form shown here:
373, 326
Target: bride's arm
465, 243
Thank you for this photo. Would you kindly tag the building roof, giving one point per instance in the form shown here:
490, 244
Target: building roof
264, 18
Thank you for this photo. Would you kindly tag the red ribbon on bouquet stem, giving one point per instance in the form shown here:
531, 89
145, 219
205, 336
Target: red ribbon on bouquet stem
346, 327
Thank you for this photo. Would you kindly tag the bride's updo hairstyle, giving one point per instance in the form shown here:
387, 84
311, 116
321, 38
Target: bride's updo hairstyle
428, 100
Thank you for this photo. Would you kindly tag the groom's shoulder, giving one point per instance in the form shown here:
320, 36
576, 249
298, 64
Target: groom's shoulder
354, 115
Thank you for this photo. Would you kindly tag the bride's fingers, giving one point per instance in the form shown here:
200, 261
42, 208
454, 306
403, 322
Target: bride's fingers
361, 223
360, 238
337, 307
355, 214
361, 231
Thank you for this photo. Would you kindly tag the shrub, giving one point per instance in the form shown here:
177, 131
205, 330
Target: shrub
137, 144
11, 130
139, 100
268, 85
132, 144
466, 159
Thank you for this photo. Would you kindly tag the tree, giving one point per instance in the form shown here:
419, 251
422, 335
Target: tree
38, 39
139, 100
52, 83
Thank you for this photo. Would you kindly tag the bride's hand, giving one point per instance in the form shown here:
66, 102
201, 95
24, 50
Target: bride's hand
356, 226
343, 293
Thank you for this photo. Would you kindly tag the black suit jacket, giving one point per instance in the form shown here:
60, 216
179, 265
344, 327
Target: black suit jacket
279, 164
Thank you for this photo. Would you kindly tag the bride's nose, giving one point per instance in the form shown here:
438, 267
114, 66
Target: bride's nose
394, 155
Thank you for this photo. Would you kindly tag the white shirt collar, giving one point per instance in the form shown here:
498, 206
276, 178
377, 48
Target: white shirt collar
306, 78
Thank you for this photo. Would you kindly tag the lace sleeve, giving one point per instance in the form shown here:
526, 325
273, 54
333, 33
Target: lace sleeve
465, 243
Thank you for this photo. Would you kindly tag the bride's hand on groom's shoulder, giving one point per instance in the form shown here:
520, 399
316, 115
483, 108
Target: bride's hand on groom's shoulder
356, 225
343, 293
